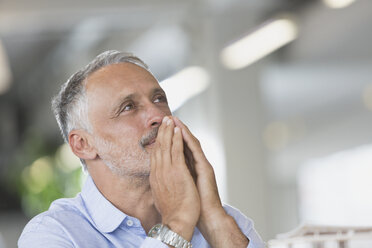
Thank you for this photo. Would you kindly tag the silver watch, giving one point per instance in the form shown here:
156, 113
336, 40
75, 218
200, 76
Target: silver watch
167, 236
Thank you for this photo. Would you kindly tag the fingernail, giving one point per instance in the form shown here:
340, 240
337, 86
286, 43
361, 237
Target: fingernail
165, 119
169, 122
176, 129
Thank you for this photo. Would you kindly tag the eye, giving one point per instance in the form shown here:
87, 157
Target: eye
160, 98
128, 107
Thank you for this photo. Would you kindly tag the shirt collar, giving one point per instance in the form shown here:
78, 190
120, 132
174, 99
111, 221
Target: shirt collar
105, 216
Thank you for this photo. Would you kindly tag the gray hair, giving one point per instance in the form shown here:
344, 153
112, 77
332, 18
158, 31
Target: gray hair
70, 105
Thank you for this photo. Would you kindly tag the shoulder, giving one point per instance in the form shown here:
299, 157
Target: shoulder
59, 211
53, 226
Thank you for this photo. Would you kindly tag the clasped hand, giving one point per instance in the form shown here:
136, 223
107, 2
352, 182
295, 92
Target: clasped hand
182, 202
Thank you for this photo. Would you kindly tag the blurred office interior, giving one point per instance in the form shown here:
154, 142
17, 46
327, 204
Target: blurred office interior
279, 93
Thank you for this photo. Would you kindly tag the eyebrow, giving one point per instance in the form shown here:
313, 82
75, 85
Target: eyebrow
158, 90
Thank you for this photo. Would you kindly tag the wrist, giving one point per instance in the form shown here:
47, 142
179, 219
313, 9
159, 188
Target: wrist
221, 230
214, 220
183, 228
215, 214
166, 235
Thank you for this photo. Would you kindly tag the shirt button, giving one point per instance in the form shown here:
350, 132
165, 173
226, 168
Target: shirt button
129, 223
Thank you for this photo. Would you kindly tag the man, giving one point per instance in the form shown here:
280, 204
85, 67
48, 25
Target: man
140, 191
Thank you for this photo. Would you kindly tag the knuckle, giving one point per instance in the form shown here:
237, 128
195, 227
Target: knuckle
176, 157
163, 148
175, 149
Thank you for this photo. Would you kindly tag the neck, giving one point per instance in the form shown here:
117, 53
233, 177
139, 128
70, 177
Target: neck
131, 195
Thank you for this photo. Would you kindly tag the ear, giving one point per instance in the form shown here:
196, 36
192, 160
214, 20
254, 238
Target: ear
80, 144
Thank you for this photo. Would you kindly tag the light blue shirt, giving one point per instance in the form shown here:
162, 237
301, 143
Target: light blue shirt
90, 220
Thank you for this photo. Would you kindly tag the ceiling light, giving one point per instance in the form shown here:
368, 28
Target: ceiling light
5, 74
258, 44
337, 4
184, 85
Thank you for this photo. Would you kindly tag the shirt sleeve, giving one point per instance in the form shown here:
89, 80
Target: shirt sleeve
246, 226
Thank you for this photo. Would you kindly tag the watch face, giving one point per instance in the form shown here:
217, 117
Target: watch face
155, 230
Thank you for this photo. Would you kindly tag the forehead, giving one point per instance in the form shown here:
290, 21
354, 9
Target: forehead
119, 76
107, 86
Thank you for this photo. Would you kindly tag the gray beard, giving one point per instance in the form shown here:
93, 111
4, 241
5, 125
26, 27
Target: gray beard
132, 162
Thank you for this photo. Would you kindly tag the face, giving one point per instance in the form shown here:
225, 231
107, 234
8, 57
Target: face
125, 107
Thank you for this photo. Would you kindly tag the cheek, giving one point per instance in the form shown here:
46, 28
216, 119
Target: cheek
124, 130
166, 109
125, 134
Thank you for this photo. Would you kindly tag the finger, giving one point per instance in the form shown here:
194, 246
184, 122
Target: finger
153, 161
177, 147
158, 144
201, 165
161, 130
154, 178
191, 141
166, 141
153, 169
158, 160
189, 160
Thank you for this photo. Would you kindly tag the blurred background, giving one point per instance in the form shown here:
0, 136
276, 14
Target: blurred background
279, 93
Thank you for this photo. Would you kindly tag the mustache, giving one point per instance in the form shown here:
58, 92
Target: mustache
146, 139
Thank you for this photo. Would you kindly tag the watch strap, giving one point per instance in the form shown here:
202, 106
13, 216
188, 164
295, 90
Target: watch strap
167, 236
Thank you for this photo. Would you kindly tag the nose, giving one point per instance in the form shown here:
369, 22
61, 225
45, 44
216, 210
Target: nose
154, 116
